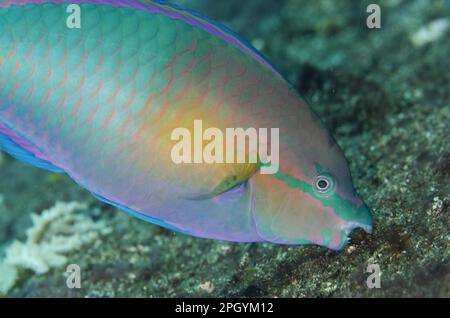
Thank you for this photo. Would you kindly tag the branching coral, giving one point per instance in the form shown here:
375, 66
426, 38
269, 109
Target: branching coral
55, 232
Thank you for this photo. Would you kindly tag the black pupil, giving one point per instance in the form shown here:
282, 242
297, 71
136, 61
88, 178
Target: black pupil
322, 184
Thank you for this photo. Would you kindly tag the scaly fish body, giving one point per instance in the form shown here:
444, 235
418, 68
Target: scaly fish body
100, 103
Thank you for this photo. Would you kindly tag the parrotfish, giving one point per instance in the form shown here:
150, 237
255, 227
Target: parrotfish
95, 88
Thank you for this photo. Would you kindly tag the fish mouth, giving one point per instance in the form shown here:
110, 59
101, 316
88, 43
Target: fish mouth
368, 228
364, 221
349, 227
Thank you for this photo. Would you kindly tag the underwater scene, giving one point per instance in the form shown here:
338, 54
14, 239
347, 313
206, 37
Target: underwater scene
226, 148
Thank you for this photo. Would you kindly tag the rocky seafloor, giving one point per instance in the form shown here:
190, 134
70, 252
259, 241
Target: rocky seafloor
385, 95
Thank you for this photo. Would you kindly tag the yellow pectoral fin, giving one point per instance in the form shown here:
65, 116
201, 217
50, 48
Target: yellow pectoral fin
240, 175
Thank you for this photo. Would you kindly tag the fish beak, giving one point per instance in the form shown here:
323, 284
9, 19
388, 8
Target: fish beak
366, 226
364, 221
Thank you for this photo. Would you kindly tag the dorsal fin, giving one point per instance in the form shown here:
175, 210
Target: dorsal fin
175, 12
214, 28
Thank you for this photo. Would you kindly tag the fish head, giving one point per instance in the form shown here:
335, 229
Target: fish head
310, 200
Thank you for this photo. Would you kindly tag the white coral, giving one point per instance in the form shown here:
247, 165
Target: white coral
430, 32
56, 231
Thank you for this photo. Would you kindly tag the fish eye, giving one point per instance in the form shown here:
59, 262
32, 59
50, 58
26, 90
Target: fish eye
324, 184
